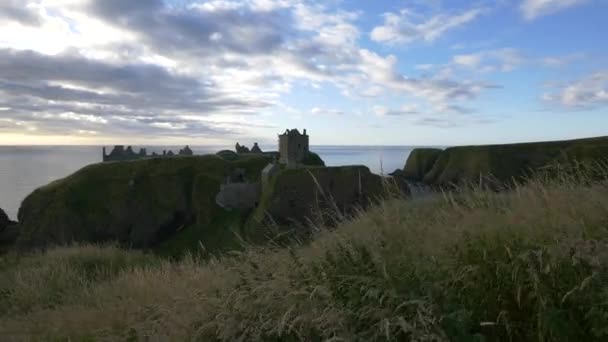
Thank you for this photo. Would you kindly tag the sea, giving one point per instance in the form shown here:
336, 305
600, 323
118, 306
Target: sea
25, 168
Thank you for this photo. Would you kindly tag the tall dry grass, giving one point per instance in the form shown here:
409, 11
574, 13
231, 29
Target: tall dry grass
530, 264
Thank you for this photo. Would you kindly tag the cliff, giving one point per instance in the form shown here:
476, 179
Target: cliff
420, 162
299, 195
8, 231
150, 203
502, 163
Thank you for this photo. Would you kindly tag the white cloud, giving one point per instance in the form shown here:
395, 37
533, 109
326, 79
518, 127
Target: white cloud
409, 109
137, 68
407, 27
471, 61
558, 61
532, 9
505, 59
587, 93
326, 111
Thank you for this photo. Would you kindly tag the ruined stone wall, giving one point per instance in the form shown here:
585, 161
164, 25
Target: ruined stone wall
238, 195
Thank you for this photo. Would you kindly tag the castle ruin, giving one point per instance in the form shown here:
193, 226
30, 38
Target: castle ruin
120, 153
293, 147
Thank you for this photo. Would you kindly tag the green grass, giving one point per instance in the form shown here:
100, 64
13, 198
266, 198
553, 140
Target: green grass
530, 264
502, 163
420, 162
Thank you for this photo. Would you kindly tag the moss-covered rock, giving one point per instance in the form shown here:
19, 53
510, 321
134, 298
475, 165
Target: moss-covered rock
420, 162
228, 155
503, 163
142, 203
8, 231
313, 159
298, 195
4, 220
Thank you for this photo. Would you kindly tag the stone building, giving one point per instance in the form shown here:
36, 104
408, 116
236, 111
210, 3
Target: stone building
119, 153
293, 147
256, 148
186, 151
241, 149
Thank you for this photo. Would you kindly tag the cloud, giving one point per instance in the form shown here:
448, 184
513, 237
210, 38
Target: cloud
13, 10
589, 92
505, 59
69, 91
326, 111
558, 61
407, 27
199, 29
532, 9
402, 111
438, 92
212, 68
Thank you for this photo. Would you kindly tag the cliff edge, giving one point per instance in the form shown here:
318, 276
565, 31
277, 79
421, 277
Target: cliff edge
142, 204
499, 164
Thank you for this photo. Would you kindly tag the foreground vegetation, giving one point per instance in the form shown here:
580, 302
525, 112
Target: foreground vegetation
530, 264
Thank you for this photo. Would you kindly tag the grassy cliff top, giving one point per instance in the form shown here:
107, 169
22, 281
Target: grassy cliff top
502, 162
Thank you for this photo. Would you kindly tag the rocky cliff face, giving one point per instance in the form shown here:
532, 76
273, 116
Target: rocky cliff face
139, 203
4, 221
299, 195
420, 162
8, 230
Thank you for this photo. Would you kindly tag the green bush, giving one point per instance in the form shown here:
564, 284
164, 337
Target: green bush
313, 159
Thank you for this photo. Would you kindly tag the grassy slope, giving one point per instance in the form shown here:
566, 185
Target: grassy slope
504, 162
531, 264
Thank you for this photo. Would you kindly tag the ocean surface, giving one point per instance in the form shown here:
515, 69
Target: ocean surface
25, 168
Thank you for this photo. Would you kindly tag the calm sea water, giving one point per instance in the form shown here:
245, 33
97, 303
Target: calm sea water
25, 168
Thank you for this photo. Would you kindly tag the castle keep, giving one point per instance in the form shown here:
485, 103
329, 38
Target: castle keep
293, 147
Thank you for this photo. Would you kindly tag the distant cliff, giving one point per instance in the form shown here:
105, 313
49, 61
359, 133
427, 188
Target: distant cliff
501, 163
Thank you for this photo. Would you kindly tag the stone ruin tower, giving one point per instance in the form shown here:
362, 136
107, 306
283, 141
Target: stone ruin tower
293, 147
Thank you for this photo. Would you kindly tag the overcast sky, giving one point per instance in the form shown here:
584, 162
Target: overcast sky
418, 72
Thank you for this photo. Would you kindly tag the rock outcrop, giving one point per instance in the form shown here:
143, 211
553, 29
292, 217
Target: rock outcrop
307, 193
312, 159
4, 220
8, 231
228, 155
141, 204
420, 162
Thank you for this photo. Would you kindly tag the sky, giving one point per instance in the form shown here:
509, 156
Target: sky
352, 72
